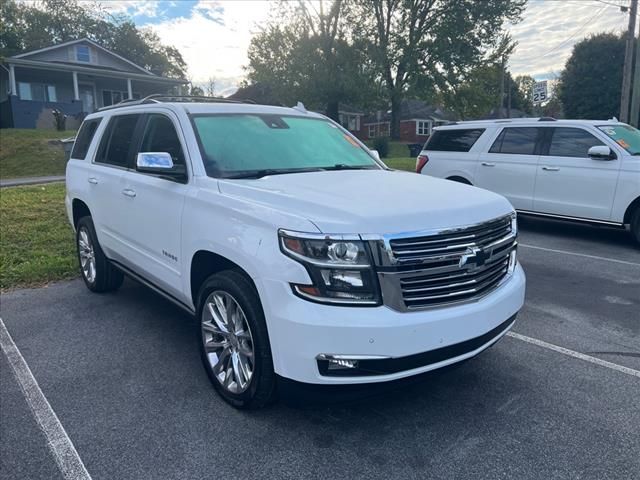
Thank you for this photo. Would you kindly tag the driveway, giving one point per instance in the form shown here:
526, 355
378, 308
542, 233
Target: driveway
122, 375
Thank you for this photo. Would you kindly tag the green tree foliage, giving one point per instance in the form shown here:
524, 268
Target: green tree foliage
430, 41
30, 26
305, 53
590, 84
480, 93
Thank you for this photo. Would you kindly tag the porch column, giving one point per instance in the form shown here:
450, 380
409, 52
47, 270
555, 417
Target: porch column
12, 80
180, 90
129, 89
76, 91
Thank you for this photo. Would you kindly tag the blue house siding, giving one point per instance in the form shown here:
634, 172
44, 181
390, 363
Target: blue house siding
16, 113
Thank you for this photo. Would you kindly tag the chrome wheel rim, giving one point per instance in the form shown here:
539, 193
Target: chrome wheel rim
87, 255
227, 340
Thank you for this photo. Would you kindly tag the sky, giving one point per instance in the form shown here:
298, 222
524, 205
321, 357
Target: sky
213, 36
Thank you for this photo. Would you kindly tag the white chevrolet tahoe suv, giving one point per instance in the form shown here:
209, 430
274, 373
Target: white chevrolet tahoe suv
585, 170
304, 259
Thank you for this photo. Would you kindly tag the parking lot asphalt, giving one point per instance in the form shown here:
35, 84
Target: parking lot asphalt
122, 373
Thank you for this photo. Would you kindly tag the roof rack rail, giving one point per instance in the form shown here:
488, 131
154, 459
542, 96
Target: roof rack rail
547, 119
163, 98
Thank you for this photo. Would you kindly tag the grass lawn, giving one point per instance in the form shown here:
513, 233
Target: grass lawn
26, 153
408, 163
36, 241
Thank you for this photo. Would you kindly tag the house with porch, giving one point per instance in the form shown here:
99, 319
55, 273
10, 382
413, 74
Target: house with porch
76, 77
417, 119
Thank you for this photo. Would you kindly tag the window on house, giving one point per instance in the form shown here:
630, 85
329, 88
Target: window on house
423, 127
37, 91
372, 131
111, 97
83, 53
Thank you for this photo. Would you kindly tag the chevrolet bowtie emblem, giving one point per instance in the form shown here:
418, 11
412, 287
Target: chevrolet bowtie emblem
473, 258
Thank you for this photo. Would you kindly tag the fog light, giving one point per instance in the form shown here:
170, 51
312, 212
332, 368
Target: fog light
339, 364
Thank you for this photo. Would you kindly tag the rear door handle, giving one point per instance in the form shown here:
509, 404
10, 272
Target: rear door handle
488, 164
551, 169
93, 180
128, 192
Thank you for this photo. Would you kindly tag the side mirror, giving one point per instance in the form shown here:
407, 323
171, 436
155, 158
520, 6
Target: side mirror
159, 163
601, 152
375, 154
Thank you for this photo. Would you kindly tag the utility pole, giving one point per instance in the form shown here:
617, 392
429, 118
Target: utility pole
501, 103
625, 97
635, 96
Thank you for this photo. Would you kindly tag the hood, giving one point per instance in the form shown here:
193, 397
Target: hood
371, 201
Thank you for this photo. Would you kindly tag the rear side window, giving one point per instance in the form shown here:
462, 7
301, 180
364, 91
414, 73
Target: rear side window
516, 141
115, 148
160, 136
453, 140
572, 142
84, 137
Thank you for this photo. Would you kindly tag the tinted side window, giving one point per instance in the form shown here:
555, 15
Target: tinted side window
160, 136
84, 137
453, 140
571, 142
115, 148
516, 141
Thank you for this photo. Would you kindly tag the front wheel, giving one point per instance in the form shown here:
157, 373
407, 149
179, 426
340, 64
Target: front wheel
234, 343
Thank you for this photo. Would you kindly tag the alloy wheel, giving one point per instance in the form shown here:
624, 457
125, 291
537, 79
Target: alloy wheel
228, 343
87, 255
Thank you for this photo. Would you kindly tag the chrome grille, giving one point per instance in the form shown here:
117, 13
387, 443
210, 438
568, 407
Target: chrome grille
445, 267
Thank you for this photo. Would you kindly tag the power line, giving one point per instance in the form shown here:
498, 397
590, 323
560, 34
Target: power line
580, 30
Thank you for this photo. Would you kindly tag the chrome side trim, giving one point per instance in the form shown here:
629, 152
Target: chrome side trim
567, 217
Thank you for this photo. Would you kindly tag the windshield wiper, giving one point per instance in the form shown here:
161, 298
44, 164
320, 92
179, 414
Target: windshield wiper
343, 166
270, 171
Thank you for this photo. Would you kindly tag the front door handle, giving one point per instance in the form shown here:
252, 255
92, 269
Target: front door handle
128, 192
551, 169
488, 164
93, 180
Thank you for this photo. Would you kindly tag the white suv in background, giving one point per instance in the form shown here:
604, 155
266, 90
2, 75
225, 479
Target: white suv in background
586, 170
302, 256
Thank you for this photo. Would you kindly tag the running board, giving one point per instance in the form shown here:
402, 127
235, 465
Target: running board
130, 273
572, 219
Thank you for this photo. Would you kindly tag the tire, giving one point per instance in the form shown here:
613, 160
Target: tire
98, 273
635, 225
224, 348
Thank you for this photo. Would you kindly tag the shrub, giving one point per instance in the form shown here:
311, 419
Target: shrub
381, 144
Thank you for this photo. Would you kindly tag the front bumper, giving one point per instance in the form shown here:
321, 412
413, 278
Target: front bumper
409, 342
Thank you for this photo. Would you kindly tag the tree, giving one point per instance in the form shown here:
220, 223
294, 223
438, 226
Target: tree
480, 93
210, 87
307, 53
30, 26
430, 40
524, 84
590, 84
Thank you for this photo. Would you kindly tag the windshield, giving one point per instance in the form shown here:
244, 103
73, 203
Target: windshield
624, 135
252, 145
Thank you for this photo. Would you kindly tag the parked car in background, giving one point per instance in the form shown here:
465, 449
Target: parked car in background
586, 170
302, 256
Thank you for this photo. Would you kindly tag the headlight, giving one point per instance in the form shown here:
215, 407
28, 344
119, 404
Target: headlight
339, 267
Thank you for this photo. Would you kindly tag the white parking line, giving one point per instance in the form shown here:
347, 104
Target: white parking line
595, 257
571, 353
58, 441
